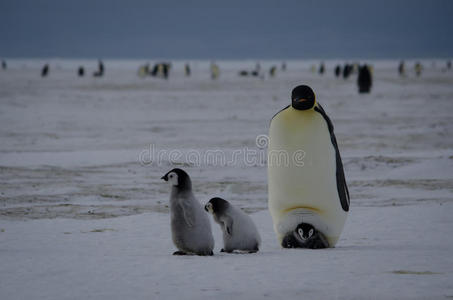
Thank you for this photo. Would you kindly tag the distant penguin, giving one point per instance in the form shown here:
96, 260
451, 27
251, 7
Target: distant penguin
347, 70
166, 70
308, 195
187, 70
81, 71
449, 65
4, 66
215, 71
100, 71
322, 68
190, 225
154, 71
284, 66
418, 68
101, 67
258, 67
239, 231
364, 80
45, 70
272, 71
401, 69
337, 71
143, 71
313, 69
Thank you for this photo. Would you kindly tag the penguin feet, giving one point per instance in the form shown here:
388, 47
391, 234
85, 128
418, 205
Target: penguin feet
256, 249
210, 253
240, 251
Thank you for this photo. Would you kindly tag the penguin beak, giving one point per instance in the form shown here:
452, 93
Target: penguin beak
165, 177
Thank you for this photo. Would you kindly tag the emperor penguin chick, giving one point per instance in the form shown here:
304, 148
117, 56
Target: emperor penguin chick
190, 225
239, 231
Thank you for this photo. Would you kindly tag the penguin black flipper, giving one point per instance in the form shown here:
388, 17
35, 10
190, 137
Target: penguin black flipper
342, 187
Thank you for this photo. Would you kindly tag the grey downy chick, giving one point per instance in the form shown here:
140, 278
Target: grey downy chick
190, 225
239, 231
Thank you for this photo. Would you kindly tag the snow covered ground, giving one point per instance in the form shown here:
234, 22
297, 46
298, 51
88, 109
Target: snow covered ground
83, 212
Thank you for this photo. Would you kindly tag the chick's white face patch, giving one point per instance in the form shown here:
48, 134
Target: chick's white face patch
173, 178
301, 233
209, 208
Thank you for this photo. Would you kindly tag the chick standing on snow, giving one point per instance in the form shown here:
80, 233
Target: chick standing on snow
190, 226
239, 231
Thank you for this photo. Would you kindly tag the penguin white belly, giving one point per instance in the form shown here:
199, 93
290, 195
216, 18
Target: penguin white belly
302, 186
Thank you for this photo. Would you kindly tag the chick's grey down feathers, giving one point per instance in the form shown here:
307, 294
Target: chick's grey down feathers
190, 226
239, 231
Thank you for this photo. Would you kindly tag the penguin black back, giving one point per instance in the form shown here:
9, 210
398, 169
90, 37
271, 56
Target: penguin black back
364, 80
45, 70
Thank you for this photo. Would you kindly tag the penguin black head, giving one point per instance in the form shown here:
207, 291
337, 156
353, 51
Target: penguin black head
216, 205
305, 236
178, 178
303, 97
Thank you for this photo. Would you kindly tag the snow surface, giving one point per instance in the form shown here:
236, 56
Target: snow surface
82, 217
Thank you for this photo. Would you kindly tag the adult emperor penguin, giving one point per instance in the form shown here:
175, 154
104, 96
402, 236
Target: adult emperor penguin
239, 231
308, 195
190, 225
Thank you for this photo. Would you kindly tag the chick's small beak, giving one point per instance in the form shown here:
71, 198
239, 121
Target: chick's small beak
165, 177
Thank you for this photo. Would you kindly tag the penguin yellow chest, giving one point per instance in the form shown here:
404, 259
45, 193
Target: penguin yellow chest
302, 174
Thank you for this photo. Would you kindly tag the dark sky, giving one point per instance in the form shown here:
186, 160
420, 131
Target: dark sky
227, 29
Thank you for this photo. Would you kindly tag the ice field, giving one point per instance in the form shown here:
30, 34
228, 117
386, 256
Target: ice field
84, 213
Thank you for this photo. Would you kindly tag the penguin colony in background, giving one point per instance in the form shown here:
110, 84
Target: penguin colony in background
162, 70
